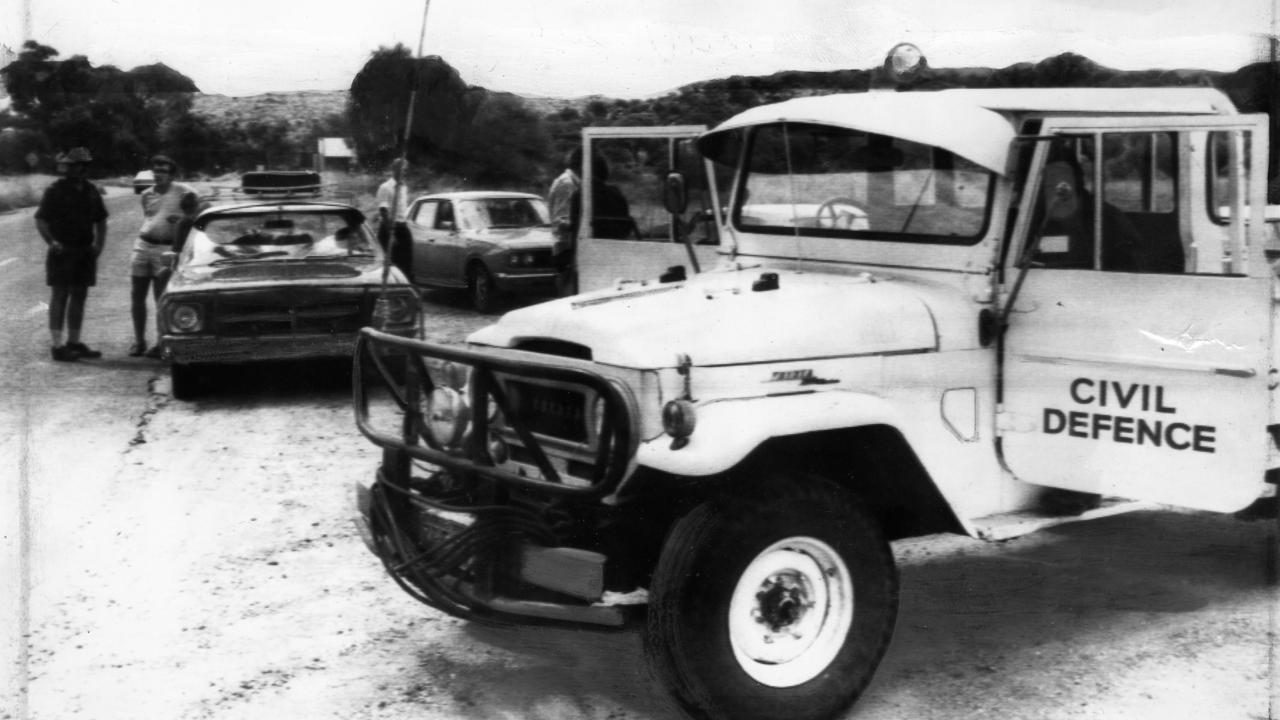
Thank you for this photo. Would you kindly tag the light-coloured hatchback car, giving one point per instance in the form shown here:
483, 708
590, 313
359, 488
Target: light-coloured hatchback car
489, 243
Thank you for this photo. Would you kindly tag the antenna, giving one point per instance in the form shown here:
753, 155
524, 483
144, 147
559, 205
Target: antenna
402, 161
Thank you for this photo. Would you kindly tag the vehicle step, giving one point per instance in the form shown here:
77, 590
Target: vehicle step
1004, 526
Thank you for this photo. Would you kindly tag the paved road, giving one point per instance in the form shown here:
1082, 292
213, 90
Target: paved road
63, 424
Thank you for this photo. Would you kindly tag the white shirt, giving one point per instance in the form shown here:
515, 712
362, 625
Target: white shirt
387, 192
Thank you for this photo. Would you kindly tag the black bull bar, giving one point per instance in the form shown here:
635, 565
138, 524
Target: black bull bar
401, 368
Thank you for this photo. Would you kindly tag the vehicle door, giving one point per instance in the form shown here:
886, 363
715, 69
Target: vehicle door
421, 220
449, 247
632, 236
436, 255
1137, 366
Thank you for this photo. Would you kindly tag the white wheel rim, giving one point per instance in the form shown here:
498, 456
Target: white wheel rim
790, 612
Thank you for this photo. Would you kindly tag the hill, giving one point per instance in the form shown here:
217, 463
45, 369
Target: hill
303, 112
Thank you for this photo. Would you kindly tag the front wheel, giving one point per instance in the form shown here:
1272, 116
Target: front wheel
185, 380
484, 294
772, 604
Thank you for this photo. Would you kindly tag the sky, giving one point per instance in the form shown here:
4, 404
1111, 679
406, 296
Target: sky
627, 48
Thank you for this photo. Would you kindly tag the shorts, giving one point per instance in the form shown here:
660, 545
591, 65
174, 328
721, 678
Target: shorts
148, 259
75, 266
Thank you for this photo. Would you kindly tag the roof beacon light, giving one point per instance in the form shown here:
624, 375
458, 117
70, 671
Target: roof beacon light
904, 63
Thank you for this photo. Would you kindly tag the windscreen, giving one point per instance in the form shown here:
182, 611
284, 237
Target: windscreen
502, 213
830, 181
280, 235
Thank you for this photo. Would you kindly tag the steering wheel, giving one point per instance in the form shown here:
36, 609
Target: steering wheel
841, 213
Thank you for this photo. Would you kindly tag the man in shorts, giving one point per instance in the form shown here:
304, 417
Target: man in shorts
72, 220
393, 232
164, 206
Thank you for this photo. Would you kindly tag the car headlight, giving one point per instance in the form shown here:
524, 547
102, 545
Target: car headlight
395, 309
185, 318
520, 259
446, 416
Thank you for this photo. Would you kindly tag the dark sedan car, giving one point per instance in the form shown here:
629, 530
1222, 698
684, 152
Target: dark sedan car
278, 280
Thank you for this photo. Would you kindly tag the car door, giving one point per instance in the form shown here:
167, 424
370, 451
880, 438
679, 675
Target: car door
435, 242
1147, 379
448, 245
421, 221
634, 237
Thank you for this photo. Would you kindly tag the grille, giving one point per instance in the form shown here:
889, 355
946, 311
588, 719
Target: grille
551, 411
289, 312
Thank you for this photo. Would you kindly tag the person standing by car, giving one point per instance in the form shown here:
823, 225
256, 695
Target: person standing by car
163, 212
561, 199
393, 234
72, 220
560, 196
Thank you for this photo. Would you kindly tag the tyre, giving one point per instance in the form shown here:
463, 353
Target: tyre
185, 380
484, 294
772, 605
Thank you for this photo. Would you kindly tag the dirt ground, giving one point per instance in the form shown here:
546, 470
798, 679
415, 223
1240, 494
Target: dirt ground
193, 560
224, 579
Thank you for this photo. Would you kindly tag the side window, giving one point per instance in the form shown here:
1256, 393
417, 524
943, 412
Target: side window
1134, 212
1221, 160
425, 213
1228, 167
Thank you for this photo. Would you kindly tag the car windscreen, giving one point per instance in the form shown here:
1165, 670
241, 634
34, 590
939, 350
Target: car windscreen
498, 213
837, 182
280, 235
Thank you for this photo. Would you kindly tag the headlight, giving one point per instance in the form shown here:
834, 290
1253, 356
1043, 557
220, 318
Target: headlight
452, 375
679, 420
446, 416
520, 259
185, 318
397, 309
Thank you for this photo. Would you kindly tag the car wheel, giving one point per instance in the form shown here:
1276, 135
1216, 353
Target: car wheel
772, 605
484, 295
185, 380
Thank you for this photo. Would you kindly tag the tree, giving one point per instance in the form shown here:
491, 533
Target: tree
269, 139
379, 101
114, 113
505, 145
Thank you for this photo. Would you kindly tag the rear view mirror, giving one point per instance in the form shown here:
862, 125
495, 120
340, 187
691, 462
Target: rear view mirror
278, 224
674, 194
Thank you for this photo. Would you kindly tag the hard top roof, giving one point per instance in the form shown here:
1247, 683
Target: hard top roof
478, 195
279, 206
973, 123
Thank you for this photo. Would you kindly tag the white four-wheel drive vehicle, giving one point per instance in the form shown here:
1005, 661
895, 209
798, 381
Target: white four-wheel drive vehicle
958, 311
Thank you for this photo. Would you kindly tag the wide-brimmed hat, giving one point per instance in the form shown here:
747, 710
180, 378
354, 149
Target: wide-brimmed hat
76, 155
164, 160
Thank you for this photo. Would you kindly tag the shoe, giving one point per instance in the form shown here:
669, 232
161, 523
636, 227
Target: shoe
83, 350
62, 353
138, 349
154, 353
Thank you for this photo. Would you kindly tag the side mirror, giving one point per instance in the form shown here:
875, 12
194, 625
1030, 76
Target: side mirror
674, 195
